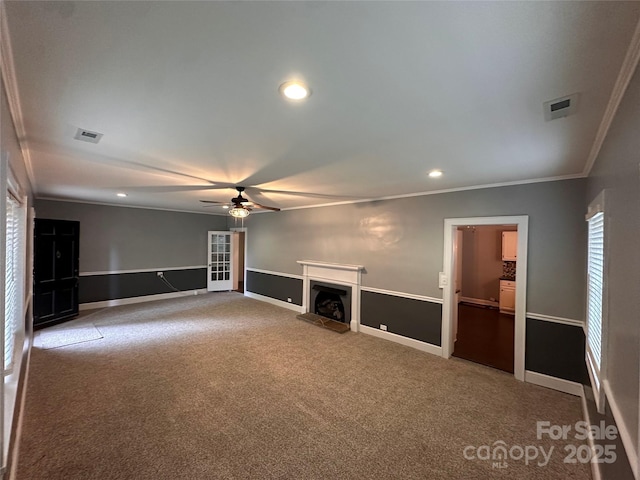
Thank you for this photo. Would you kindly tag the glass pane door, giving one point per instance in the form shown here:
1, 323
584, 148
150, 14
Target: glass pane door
219, 271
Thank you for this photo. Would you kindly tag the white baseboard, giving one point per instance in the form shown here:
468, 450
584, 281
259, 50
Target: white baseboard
145, 298
409, 342
595, 466
479, 301
623, 430
560, 384
274, 301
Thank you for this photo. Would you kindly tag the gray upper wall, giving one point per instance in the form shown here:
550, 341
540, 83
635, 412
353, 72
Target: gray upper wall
617, 172
122, 238
400, 242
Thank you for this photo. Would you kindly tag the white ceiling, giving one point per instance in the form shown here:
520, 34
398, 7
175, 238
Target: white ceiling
186, 93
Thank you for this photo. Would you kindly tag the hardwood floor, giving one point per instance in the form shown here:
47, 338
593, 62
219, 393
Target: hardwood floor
485, 336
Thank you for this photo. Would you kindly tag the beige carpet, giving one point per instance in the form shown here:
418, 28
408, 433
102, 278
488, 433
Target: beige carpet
69, 333
221, 387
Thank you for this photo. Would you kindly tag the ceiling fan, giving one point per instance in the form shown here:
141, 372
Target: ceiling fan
242, 206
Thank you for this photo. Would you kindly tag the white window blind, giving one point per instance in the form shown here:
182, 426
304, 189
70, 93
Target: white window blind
14, 278
596, 317
596, 282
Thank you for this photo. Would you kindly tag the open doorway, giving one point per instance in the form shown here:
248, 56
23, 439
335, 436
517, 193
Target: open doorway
485, 294
239, 241
474, 325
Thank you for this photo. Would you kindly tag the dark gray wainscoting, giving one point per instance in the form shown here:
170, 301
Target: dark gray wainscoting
98, 288
275, 286
556, 349
417, 319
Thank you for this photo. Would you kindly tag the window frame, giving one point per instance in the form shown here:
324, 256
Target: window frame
597, 375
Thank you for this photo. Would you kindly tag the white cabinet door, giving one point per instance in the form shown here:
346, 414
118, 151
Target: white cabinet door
220, 275
507, 296
509, 246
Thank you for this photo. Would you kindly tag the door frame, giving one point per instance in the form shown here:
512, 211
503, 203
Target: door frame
246, 234
448, 287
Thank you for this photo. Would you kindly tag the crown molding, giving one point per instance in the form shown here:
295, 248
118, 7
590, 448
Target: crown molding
627, 70
11, 88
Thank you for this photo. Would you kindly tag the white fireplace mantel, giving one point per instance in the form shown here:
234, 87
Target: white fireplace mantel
339, 273
334, 266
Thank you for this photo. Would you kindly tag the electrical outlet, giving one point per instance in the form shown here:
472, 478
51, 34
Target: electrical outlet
289, 299
160, 274
383, 327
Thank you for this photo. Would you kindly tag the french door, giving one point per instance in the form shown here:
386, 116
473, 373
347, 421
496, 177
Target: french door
220, 271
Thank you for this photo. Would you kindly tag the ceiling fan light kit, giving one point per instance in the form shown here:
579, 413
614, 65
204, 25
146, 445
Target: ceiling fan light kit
240, 207
239, 212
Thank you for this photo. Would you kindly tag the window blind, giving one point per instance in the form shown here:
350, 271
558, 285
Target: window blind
14, 278
595, 288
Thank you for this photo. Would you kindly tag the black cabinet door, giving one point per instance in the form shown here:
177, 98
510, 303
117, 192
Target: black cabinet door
55, 272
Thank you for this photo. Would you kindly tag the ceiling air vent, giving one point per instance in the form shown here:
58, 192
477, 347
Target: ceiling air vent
560, 107
87, 136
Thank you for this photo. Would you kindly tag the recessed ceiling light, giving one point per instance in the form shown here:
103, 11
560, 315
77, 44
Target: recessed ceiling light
435, 173
225, 206
121, 194
295, 90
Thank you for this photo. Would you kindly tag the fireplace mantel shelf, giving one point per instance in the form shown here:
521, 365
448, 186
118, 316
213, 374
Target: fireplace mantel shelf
336, 266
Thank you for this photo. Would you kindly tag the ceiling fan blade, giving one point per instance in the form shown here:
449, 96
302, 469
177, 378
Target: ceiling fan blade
213, 202
255, 193
275, 209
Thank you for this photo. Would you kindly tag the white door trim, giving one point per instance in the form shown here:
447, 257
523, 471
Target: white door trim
448, 292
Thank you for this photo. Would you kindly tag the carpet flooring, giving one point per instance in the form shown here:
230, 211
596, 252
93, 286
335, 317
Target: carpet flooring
220, 386
65, 334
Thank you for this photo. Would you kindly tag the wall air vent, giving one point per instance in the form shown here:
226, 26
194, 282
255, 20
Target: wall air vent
560, 107
87, 136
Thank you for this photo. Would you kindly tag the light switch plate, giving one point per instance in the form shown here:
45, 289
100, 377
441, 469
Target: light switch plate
443, 280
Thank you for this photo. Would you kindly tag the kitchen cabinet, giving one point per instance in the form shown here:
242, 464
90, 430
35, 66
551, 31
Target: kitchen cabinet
509, 246
507, 296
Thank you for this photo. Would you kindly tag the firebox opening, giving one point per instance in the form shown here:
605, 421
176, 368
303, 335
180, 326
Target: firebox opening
329, 305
